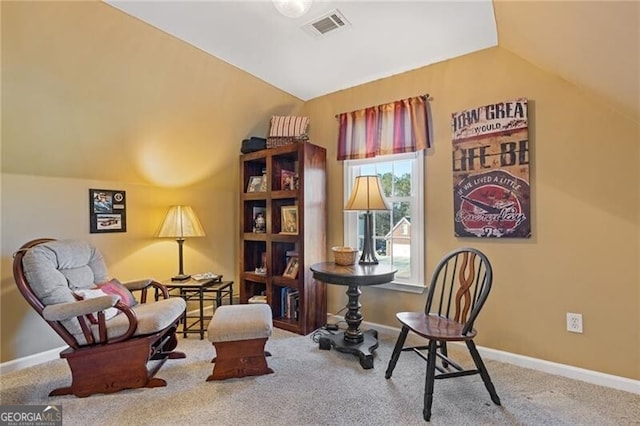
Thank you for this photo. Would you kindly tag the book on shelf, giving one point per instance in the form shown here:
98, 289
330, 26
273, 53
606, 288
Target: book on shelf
258, 299
289, 303
205, 276
294, 310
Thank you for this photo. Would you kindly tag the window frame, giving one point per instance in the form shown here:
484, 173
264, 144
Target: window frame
351, 169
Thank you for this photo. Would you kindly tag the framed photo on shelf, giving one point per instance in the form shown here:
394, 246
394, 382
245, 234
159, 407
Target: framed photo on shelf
255, 184
289, 220
107, 211
263, 184
291, 271
259, 220
287, 179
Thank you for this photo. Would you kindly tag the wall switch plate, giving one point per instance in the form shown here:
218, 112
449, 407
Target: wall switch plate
574, 322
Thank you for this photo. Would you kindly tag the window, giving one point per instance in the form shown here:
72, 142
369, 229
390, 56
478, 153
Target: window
398, 234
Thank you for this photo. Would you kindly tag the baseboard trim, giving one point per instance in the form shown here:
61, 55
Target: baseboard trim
31, 360
569, 371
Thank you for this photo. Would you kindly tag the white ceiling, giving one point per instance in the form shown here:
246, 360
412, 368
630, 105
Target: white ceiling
384, 37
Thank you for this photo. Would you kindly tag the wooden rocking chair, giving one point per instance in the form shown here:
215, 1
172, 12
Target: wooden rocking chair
104, 355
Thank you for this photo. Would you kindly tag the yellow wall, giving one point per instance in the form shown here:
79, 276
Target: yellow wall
95, 99
36, 206
92, 98
585, 199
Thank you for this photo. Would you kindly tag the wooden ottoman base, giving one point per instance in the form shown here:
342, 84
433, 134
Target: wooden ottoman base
239, 359
239, 334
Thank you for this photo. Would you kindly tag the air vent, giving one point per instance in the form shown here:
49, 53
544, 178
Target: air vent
327, 23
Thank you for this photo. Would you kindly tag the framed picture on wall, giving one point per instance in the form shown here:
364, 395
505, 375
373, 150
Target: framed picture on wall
107, 211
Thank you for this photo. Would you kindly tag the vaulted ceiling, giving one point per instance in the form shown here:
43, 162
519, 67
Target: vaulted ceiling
593, 44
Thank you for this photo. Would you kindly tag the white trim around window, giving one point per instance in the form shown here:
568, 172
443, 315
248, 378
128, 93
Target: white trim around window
413, 278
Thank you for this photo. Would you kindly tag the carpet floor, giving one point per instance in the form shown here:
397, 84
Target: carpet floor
316, 387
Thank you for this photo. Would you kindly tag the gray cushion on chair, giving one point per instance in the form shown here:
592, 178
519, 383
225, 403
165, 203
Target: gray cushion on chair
62, 265
152, 317
56, 268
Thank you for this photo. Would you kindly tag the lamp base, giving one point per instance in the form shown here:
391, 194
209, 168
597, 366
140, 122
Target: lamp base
181, 277
368, 249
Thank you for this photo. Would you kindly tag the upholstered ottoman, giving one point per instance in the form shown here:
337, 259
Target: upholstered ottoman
238, 334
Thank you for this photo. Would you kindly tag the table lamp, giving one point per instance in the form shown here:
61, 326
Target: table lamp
180, 222
366, 196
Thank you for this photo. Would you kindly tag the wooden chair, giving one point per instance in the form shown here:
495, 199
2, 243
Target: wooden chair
459, 288
104, 355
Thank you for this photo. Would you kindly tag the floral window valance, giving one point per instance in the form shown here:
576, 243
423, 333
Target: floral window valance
393, 128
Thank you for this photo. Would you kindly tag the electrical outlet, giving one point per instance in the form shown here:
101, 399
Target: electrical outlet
574, 322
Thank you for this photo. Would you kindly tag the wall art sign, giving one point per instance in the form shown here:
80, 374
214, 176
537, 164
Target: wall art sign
107, 211
491, 192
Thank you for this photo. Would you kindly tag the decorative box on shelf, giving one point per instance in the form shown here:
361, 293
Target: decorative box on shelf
276, 141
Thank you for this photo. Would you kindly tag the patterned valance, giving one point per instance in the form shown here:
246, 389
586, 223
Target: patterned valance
393, 128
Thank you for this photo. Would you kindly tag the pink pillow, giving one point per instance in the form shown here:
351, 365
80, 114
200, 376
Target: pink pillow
114, 287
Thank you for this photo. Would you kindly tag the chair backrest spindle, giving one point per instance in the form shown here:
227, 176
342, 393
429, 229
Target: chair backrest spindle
459, 286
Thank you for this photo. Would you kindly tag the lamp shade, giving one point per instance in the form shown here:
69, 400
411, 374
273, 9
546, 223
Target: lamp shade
367, 195
181, 222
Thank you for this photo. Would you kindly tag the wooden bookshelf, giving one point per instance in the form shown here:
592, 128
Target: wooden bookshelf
295, 182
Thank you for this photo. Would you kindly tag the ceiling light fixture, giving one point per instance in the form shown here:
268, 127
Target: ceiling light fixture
292, 8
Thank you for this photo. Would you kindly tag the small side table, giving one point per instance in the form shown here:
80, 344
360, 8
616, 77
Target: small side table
190, 289
353, 340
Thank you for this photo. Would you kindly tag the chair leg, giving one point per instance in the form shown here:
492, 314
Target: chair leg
396, 351
443, 351
483, 371
430, 379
